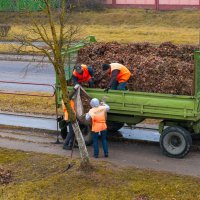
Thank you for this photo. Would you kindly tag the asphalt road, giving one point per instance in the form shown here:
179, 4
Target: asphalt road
18, 71
38, 122
19, 43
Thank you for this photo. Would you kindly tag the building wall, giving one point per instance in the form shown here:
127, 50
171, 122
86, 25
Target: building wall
156, 4
135, 1
179, 2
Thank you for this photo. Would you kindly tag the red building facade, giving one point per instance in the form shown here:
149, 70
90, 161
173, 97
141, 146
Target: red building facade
156, 4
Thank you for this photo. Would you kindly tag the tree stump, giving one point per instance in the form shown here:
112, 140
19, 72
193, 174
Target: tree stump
4, 29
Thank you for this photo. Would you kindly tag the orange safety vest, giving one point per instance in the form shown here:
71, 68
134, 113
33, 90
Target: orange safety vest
85, 77
124, 73
98, 115
66, 115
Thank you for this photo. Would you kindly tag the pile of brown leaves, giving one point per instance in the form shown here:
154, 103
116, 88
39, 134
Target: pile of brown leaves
86, 102
5, 176
161, 69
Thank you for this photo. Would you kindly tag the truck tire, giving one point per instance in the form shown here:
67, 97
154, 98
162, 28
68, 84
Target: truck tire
87, 134
86, 131
175, 142
114, 126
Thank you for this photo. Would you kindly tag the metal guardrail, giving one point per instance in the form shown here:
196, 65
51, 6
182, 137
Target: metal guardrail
28, 94
35, 95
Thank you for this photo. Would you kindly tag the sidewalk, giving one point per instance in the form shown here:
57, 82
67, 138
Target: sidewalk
135, 154
23, 58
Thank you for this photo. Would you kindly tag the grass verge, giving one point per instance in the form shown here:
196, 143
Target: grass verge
28, 104
6, 48
121, 25
40, 176
125, 33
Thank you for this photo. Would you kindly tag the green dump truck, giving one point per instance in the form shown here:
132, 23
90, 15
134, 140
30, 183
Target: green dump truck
179, 115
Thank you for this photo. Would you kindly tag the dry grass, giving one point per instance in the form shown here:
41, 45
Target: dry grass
152, 34
182, 18
28, 104
6, 48
125, 34
130, 33
124, 25
40, 176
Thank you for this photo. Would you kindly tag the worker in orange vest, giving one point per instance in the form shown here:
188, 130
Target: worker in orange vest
68, 143
97, 114
83, 73
119, 76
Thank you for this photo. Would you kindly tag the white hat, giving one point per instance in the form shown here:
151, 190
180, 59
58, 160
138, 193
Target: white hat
94, 102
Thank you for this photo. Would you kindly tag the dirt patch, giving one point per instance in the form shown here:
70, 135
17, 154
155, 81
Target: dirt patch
166, 68
152, 121
5, 176
142, 197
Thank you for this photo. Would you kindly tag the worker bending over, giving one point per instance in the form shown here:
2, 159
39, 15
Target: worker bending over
119, 76
68, 143
82, 74
98, 116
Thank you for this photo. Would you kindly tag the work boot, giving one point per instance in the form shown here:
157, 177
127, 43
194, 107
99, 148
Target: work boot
106, 155
67, 147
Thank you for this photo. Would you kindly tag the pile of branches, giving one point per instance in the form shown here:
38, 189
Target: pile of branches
166, 68
5, 176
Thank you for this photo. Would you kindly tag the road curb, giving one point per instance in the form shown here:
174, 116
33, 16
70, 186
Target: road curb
21, 58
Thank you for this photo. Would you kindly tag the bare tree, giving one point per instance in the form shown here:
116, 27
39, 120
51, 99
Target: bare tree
56, 34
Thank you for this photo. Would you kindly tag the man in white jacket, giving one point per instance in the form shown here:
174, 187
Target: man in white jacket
97, 114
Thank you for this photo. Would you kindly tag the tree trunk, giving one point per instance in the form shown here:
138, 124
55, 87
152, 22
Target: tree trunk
81, 143
85, 163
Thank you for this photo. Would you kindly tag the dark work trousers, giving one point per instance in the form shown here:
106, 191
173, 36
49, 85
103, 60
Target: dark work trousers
95, 137
91, 83
119, 86
70, 136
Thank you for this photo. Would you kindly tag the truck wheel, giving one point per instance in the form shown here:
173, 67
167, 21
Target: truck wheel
86, 131
175, 142
114, 126
87, 135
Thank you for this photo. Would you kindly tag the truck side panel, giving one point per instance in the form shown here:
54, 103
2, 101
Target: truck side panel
149, 104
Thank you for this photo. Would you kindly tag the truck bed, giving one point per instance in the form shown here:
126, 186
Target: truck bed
149, 105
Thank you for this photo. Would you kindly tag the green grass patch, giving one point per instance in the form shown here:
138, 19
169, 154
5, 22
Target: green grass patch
40, 176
